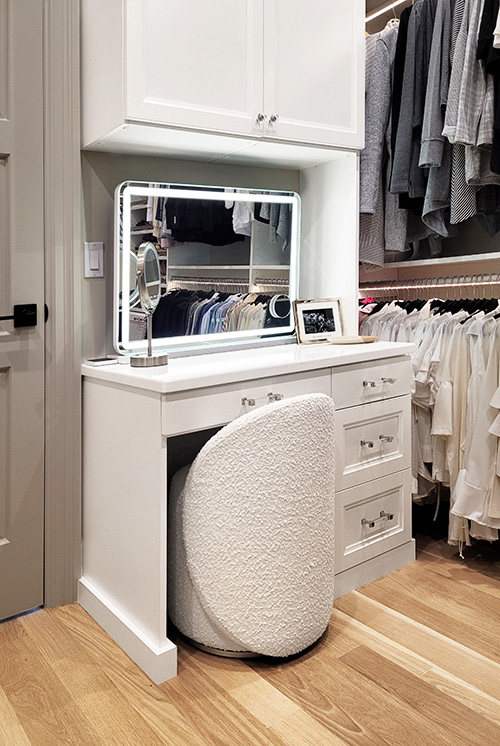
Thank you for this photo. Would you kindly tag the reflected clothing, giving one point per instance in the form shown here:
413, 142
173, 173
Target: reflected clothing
202, 221
185, 312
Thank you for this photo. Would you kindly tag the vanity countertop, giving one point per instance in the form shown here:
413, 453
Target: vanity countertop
199, 371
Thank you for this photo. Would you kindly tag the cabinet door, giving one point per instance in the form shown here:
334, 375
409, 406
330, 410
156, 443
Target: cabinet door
193, 63
314, 70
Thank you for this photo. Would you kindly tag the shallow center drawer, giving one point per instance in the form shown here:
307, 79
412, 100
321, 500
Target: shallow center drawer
372, 440
363, 383
199, 409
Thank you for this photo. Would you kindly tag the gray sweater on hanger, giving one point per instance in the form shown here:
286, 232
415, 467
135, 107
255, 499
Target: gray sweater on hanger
407, 176
383, 224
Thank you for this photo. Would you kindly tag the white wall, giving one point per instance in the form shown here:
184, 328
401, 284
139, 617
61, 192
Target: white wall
329, 235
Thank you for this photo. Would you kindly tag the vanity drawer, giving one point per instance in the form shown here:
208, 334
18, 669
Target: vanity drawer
200, 409
363, 383
373, 440
372, 519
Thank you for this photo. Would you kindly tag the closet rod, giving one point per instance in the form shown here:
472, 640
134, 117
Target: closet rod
434, 282
380, 11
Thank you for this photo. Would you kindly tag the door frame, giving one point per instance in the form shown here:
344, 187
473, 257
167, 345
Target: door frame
63, 297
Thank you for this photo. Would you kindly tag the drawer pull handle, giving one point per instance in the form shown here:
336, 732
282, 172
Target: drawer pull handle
274, 397
250, 402
384, 516
367, 443
374, 384
386, 438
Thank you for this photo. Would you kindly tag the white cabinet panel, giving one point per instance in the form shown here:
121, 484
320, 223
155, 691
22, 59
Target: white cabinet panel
373, 440
313, 63
195, 64
371, 519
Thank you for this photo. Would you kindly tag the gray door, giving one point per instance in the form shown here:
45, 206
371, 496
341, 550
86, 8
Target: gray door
21, 281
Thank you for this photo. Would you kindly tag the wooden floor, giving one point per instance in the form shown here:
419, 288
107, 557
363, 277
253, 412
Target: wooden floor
413, 658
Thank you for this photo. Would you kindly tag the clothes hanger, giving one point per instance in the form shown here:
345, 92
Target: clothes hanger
393, 22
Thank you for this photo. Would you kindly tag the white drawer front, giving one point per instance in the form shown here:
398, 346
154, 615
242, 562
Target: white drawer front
373, 440
363, 383
371, 519
188, 411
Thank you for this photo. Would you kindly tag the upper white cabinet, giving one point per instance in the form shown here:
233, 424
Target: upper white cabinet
266, 70
314, 70
195, 63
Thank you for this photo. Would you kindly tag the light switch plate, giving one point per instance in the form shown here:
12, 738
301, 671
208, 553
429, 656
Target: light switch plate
94, 259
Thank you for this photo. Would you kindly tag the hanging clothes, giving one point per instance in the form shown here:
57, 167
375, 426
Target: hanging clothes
455, 404
444, 140
382, 224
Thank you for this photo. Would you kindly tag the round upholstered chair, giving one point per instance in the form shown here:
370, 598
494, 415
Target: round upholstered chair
251, 532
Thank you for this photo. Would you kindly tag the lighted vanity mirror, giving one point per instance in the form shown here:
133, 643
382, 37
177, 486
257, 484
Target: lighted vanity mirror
228, 263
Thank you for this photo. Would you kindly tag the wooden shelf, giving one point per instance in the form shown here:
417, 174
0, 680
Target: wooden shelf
284, 267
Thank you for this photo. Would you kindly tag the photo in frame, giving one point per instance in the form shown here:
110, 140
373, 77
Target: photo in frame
318, 320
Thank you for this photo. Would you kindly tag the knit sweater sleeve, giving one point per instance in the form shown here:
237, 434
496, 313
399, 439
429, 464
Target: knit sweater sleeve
432, 145
378, 102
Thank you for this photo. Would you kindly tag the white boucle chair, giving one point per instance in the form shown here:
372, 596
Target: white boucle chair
251, 532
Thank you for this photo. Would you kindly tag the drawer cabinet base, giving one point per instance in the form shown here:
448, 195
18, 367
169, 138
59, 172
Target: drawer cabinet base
355, 577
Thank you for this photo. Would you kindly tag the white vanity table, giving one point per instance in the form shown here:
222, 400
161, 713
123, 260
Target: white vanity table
129, 416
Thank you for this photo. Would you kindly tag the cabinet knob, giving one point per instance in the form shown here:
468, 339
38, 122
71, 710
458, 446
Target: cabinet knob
273, 118
386, 438
374, 384
367, 443
384, 516
260, 117
250, 402
274, 397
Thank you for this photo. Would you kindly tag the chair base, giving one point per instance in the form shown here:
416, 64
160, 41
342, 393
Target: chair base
218, 651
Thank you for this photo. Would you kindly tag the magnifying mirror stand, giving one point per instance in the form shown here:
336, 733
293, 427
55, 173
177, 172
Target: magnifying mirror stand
149, 360
148, 276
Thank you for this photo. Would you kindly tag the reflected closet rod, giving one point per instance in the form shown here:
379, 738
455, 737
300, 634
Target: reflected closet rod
210, 281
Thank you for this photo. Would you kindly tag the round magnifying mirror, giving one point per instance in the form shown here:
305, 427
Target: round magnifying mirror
279, 310
148, 274
149, 281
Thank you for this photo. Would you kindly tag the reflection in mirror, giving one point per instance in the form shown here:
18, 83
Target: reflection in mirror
134, 283
227, 262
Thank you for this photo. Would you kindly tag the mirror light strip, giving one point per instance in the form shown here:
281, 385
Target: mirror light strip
384, 10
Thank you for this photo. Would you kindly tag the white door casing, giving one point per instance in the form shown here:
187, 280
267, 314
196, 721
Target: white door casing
21, 281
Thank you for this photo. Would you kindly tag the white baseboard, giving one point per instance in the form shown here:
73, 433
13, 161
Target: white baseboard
355, 577
159, 663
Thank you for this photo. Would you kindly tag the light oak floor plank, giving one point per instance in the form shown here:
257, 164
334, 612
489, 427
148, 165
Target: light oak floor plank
411, 658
